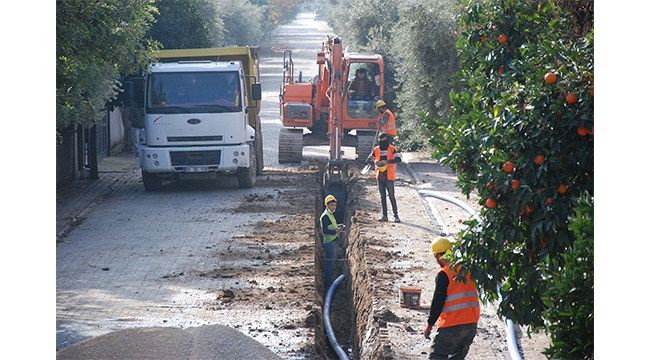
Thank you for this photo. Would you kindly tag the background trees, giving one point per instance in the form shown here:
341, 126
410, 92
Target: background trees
184, 24
100, 42
96, 42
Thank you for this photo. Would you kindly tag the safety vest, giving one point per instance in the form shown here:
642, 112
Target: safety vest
389, 128
461, 306
333, 226
390, 155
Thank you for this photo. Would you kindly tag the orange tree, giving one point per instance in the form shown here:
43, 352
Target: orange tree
505, 111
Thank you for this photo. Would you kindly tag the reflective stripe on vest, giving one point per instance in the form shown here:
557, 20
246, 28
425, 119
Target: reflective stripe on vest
390, 155
333, 226
389, 128
462, 304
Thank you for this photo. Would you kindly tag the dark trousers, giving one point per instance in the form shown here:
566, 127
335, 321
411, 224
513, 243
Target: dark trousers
387, 186
452, 342
330, 256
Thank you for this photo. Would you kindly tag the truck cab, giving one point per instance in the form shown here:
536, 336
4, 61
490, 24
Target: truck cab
197, 120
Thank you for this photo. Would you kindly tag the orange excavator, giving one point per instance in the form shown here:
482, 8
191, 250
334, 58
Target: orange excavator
330, 109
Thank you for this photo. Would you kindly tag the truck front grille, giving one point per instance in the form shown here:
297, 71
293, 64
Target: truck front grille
194, 138
194, 158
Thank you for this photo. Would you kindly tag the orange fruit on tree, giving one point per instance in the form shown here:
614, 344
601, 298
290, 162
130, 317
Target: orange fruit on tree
539, 159
571, 98
548, 201
515, 184
491, 203
491, 185
501, 69
582, 131
550, 78
561, 189
508, 166
591, 132
503, 39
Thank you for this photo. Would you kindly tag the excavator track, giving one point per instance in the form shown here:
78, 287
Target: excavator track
365, 144
290, 146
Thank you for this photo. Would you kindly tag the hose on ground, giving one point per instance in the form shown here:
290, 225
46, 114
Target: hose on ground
326, 318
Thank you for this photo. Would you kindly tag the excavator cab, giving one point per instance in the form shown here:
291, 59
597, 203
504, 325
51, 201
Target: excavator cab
363, 89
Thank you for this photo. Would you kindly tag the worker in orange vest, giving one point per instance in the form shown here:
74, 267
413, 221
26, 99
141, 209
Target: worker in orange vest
455, 306
386, 157
386, 121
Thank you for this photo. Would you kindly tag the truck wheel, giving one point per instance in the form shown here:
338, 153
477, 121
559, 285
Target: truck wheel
246, 176
151, 181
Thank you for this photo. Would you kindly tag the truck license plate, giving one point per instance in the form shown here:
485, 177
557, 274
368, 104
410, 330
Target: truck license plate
195, 169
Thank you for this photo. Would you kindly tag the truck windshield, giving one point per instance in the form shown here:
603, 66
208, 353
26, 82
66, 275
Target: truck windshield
194, 92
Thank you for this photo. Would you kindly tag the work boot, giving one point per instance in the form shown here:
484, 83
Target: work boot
384, 218
397, 218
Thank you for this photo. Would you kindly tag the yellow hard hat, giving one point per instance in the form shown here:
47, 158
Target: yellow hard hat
382, 168
379, 104
329, 199
440, 245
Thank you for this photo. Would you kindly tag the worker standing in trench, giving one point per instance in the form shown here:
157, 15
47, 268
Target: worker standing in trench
455, 306
330, 230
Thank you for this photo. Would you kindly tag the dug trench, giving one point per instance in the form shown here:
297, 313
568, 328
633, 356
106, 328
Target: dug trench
359, 321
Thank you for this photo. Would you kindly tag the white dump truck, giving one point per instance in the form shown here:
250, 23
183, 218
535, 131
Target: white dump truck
201, 115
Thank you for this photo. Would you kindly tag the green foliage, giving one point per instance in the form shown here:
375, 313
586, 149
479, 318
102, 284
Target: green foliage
283, 11
96, 42
513, 115
243, 22
424, 48
570, 295
182, 24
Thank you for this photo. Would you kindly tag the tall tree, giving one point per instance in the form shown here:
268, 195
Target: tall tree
243, 22
96, 42
183, 24
521, 135
424, 51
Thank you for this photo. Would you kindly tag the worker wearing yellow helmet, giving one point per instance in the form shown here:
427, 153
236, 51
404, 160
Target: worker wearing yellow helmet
385, 157
455, 306
330, 230
386, 121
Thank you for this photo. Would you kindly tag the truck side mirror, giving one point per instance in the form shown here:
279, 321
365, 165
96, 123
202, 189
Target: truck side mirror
257, 91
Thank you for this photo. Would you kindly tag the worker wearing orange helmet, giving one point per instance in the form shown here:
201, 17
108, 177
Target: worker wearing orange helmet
386, 121
386, 157
330, 230
455, 306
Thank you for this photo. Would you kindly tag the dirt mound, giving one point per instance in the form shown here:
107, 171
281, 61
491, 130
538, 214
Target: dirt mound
207, 342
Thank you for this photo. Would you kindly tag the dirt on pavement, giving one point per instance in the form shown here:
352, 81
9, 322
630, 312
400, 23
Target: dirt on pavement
268, 283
